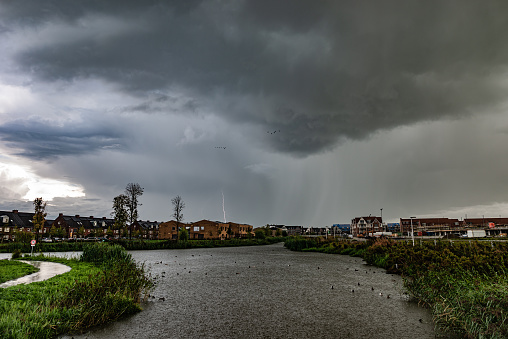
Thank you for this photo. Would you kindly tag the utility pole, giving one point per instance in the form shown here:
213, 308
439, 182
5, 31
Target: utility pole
412, 232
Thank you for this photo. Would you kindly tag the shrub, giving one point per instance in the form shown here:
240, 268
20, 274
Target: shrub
105, 254
17, 254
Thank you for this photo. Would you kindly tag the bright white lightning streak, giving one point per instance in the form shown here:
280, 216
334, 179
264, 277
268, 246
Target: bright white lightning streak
223, 210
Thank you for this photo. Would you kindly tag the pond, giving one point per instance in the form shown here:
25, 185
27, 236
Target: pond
268, 292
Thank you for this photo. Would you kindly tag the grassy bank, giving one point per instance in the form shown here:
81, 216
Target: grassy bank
103, 285
10, 270
464, 283
137, 244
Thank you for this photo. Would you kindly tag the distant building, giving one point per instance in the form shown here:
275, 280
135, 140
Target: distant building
365, 226
146, 229
429, 226
12, 221
294, 230
341, 228
205, 229
393, 227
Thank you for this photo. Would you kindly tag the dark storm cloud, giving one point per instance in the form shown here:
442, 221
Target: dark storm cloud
321, 72
42, 140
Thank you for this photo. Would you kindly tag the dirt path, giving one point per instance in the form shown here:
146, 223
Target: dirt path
46, 270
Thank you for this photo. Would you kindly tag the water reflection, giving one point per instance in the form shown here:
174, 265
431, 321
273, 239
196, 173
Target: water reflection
268, 292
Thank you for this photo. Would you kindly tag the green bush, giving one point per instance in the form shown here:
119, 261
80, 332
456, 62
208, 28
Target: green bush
17, 254
105, 254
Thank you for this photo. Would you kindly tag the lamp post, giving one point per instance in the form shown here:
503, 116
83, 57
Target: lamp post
382, 227
412, 232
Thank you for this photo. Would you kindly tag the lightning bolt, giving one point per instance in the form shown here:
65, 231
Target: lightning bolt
223, 210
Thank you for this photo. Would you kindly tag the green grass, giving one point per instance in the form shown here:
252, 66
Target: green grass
10, 270
94, 292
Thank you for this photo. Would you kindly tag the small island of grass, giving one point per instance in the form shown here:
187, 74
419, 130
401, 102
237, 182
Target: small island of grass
103, 285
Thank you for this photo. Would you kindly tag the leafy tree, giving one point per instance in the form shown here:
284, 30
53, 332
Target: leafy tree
278, 232
178, 206
52, 231
39, 217
60, 232
120, 213
81, 232
109, 232
183, 235
260, 234
133, 191
22, 236
284, 233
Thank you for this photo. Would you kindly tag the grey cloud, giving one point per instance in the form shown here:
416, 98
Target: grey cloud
321, 73
44, 140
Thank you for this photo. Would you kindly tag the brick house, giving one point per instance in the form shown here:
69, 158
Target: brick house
205, 229
363, 226
429, 226
169, 229
147, 229
91, 226
234, 230
12, 221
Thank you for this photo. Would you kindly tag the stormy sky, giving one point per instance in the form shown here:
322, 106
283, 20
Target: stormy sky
296, 112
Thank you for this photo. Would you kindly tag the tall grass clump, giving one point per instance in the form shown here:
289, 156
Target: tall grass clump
105, 254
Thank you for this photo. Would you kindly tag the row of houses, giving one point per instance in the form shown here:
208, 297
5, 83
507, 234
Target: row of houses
374, 225
364, 226
76, 226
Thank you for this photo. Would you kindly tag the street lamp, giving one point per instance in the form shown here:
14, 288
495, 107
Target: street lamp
382, 227
412, 232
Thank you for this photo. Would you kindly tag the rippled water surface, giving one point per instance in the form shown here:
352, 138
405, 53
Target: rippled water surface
268, 292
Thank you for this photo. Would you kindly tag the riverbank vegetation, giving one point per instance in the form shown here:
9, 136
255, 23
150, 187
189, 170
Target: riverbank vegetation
137, 244
463, 283
103, 285
10, 270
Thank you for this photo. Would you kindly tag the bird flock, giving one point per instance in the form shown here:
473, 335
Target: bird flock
157, 278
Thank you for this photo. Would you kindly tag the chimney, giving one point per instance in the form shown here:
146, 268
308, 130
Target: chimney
77, 215
60, 214
91, 217
14, 211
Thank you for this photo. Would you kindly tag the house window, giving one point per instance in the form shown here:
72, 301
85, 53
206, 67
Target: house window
6, 229
173, 228
202, 228
196, 228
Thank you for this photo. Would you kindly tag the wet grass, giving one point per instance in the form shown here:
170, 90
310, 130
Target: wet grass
10, 270
463, 283
94, 292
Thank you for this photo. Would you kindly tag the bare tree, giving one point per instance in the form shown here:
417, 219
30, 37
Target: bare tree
120, 213
39, 218
133, 190
178, 206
